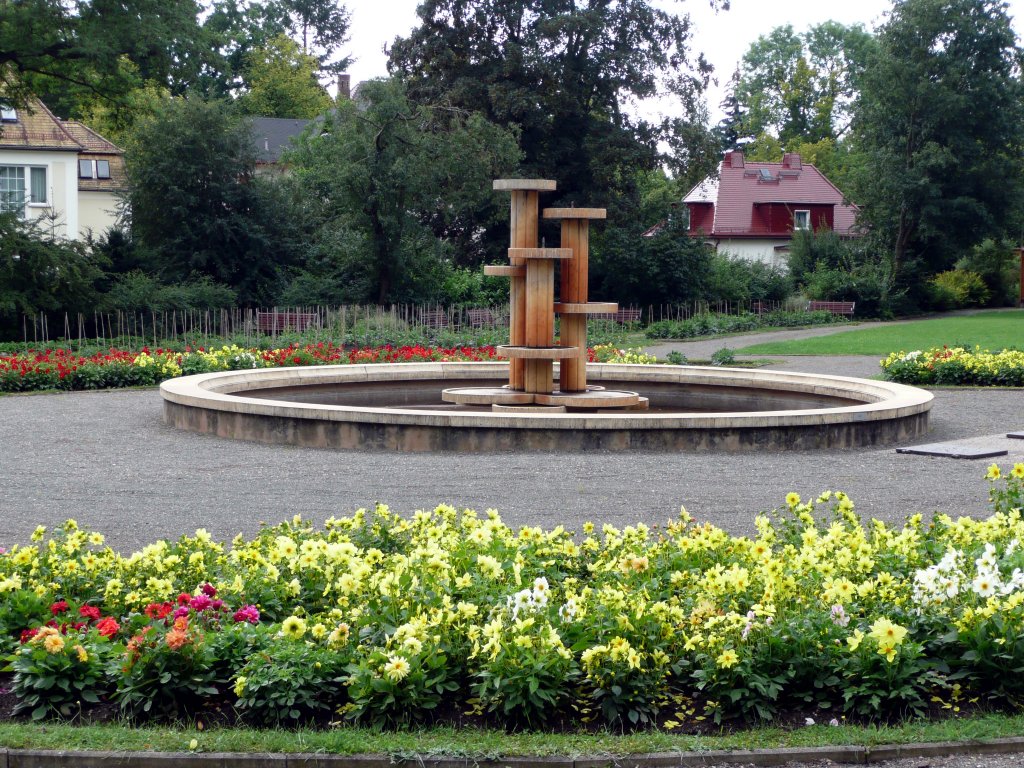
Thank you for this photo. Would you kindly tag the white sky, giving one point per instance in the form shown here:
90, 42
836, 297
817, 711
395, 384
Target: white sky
723, 37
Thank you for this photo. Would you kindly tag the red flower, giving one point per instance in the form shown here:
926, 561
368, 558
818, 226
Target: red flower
158, 610
28, 634
107, 627
89, 612
59, 607
184, 598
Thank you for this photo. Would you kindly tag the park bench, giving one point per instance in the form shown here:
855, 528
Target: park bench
621, 317
277, 322
434, 318
835, 307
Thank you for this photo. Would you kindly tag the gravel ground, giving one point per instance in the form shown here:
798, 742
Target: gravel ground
107, 459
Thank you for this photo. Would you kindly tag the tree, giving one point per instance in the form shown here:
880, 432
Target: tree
322, 25
560, 70
940, 124
731, 128
59, 49
42, 273
398, 190
281, 82
801, 87
197, 206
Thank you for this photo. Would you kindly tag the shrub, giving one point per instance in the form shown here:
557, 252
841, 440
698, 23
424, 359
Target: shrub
961, 288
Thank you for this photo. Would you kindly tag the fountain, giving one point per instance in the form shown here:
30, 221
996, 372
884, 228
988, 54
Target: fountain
515, 406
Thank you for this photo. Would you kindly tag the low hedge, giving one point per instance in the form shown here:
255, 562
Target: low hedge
712, 324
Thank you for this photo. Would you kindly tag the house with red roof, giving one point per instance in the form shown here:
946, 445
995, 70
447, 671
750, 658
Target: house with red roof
752, 209
59, 172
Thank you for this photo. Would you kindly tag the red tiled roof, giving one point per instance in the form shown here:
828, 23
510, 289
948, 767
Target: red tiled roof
739, 189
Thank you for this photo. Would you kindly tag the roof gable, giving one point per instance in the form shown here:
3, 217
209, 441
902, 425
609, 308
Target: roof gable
741, 186
36, 127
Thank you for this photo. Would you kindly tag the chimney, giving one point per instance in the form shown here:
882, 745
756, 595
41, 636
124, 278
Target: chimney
792, 161
344, 87
734, 158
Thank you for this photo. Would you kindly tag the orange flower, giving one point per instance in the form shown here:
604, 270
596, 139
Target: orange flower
176, 638
181, 623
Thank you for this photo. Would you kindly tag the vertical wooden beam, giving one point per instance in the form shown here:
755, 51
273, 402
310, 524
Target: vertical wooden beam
574, 289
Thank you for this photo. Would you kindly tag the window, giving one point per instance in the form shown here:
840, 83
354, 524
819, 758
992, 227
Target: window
8, 114
85, 169
102, 169
12, 189
37, 194
801, 219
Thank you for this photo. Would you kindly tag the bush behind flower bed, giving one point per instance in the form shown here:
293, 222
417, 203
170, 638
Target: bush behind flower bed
956, 366
386, 619
712, 324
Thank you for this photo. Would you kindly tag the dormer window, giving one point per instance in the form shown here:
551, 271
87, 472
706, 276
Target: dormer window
8, 114
85, 169
801, 220
102, 169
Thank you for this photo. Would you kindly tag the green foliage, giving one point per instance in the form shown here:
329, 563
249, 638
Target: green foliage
197, 206
801, 87
41, 272
669, 266
957, 288
388, 688
68, 52
373, 180
738, 279
998, 264
290, 682
137, 291
280, 81
940, 124
723, 356
56, 675
167, 671
712, 324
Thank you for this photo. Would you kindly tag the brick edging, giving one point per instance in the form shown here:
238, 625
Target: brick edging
29, 758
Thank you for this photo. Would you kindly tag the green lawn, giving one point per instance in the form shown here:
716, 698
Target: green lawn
990, 330
482, 743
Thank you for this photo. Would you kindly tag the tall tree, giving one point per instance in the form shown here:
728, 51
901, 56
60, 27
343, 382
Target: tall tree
280, 81
800, 87
197, 205
398, 190
562, 71
941, 126
61, 48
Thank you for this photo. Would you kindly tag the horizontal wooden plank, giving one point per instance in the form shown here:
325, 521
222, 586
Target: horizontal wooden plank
502, 270
536, 353
590, 308
540, 253
525, 185
575, 213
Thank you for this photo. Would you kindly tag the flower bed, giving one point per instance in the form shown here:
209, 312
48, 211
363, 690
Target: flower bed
62, 369
386, 619
956, 366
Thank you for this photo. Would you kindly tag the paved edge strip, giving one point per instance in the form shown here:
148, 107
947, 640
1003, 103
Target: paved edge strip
28, 758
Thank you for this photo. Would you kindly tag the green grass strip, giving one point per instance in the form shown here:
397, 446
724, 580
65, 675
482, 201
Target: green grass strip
989, 330
479, 743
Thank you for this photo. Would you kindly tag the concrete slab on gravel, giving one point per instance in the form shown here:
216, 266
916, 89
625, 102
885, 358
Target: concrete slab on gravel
954, 451
1016, 435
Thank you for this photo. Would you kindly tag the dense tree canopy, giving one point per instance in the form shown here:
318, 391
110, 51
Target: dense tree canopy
941, 129
60, 49
280, 81
398, 190
560, 70
196, 205
801, 87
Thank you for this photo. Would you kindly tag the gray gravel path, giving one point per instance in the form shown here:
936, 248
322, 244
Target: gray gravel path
107, 459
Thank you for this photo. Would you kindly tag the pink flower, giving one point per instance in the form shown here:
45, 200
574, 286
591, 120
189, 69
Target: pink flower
248, 613
200, 603
209, 590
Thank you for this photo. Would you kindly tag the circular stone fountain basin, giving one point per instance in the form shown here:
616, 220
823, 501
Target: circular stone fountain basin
399, 407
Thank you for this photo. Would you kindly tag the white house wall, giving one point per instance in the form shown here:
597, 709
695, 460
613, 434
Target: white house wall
61, 182
97, 212
752, 249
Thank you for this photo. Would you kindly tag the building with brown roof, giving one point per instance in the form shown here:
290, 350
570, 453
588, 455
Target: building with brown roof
752, 209
59, 172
